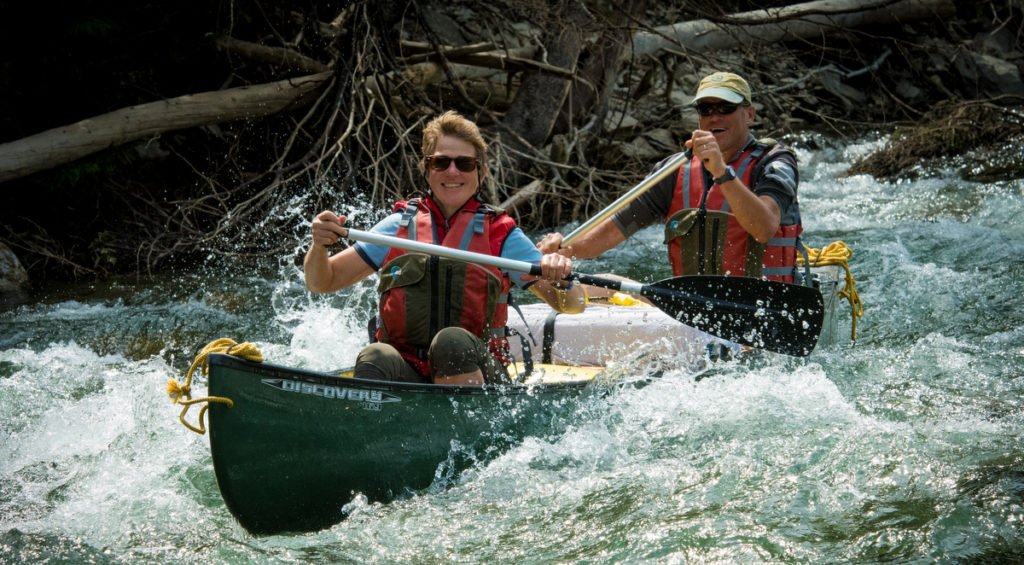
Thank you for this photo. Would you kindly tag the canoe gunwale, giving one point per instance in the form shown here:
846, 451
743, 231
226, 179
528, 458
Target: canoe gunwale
271, 370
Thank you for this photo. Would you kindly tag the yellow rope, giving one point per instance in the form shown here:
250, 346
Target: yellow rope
182, 394
837, 253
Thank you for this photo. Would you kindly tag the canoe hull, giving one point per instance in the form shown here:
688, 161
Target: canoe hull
296, 446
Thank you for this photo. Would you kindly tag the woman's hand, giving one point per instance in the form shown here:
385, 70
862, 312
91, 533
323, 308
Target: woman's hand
327, 228
555, 268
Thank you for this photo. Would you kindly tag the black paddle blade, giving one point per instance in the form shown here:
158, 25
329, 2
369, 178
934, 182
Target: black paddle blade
770, 315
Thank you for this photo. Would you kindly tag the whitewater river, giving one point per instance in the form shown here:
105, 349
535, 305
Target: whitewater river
903, 448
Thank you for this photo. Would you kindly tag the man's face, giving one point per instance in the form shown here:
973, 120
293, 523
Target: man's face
731, 129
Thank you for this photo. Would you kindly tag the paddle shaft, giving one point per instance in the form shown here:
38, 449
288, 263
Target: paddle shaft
442, 251
499, 262
667, 169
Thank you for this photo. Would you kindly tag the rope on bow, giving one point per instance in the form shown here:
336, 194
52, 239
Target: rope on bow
182, 394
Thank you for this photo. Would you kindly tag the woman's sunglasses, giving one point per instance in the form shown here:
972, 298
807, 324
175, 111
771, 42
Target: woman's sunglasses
723, 108
465, 163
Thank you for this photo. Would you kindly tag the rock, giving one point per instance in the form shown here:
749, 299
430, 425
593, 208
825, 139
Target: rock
13, 278
909, 92
850, 96
991, 76
1000, 76
662, 139
1000, 43
679, 98
447, 30
641, 150
617, 124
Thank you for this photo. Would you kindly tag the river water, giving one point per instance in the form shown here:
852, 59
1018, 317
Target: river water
905, 447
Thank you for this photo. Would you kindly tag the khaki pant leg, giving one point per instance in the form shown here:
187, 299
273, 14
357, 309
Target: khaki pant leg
382, 362
455, 351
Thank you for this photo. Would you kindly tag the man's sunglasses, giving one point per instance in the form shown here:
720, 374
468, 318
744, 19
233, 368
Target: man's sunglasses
464, 163
723, 108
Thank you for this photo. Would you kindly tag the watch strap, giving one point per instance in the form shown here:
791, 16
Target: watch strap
727, 176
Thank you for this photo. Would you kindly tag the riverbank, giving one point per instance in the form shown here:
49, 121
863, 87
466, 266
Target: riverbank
947, 89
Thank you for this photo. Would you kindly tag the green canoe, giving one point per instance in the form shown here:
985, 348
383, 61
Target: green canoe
297, 445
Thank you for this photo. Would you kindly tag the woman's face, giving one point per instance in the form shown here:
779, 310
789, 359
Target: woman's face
451, 187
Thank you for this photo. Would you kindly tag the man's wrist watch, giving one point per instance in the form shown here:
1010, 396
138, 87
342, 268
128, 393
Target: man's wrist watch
727, 176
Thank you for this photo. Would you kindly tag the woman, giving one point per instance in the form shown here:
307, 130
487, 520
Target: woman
441, 320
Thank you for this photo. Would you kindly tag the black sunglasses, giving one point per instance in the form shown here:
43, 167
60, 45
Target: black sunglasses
723, 108
464, 163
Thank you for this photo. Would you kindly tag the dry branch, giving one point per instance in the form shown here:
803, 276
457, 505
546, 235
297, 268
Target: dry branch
422, 51
277, 56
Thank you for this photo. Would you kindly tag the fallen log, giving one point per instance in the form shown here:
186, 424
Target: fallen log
522, 196
772, 25
489, 68
65, 144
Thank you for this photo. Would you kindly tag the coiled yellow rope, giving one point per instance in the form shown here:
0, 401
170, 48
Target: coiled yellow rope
182, 394
837, 253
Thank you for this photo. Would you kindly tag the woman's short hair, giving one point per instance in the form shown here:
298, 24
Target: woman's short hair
453, 124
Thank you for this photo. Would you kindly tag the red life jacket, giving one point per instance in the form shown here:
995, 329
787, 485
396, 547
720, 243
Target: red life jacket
703, 237
423, 294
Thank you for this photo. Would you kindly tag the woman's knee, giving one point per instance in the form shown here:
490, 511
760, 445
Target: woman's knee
454, 351
382, 362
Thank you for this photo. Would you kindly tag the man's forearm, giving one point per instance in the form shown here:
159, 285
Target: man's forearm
603, 237
759, 216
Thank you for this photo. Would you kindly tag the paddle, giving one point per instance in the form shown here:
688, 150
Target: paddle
769, 315
669, 167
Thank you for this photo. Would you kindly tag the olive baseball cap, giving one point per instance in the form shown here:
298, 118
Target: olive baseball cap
727, 86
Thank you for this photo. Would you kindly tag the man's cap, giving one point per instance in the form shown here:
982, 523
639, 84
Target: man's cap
726, 86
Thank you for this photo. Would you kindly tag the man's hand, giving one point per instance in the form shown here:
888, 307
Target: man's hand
705, 147
552, 243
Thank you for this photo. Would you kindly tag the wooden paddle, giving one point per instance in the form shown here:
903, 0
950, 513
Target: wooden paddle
769, 315
668, 168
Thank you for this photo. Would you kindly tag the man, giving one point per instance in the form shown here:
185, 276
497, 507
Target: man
730, 210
